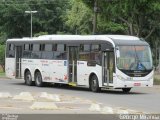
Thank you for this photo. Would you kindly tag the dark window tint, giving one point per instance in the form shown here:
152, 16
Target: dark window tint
36, 47
42, 47
27, 50
47, 55
84, 56
84, 48
95, 47
61, 47
84, 52
36, 55
60, 55
54, 47
48, 47
11, 47
26, 54
26, 46
30, 47
96, 56
10, 51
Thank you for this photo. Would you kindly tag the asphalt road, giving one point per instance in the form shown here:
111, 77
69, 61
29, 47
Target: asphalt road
140, 99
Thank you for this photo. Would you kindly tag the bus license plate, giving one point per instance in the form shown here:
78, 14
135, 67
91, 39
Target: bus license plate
137, 84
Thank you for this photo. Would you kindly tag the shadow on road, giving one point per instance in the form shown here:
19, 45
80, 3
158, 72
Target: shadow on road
70, 88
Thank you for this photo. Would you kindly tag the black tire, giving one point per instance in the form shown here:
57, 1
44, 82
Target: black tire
28, 78
126, 90
38, 79
94, 85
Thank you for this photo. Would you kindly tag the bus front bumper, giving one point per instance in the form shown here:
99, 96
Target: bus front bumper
131, 84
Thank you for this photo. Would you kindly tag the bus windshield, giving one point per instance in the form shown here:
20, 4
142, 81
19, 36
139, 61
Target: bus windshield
134, 58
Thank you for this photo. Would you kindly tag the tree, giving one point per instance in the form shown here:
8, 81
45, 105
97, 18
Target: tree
3, 37
134, 17
40, 33
13, 22
16, 23
2, 56
79, 18
49, 16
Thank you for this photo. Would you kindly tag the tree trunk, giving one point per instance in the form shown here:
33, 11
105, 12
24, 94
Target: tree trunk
150, 33
131, 29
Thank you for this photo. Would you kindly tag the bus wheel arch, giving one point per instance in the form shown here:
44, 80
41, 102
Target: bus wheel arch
94, 83
126, 90
28, 77
38, 78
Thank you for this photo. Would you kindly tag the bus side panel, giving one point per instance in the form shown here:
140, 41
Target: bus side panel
30, 65
55, 71
51, 70
10, 67
84, 71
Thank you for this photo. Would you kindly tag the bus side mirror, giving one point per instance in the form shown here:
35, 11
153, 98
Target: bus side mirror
91, 63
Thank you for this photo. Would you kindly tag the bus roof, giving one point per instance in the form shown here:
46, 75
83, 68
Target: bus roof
114, 39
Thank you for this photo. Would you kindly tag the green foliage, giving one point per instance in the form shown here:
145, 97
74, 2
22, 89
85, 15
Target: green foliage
134, 17
12, 21
79, 18
40, 33
16, 23
2, 56
3, 38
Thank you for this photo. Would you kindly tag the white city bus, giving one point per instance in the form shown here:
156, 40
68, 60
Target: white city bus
94, 61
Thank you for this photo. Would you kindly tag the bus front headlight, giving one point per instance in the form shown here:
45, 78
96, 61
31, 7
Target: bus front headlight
122, 78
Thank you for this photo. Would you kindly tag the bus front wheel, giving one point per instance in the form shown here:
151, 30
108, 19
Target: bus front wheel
126, 90
28, 78
38, 79
94, 85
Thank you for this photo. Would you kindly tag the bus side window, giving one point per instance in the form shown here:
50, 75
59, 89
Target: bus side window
60, 52
84, 52
26, 52
36, 53
54, 47
47, 53
42, 47
95, 54
11, 51
30, 47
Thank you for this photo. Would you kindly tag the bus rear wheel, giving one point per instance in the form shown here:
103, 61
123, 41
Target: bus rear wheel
94, 85
38, 79
126, 90
28, 78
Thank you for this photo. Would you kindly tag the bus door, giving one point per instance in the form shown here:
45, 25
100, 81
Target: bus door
72, 68
18, 61
108, 67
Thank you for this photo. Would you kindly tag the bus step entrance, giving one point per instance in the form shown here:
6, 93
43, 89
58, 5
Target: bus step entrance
72, 83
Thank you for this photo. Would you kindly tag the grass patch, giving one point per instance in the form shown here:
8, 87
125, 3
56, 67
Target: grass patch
2, 74
157, 80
